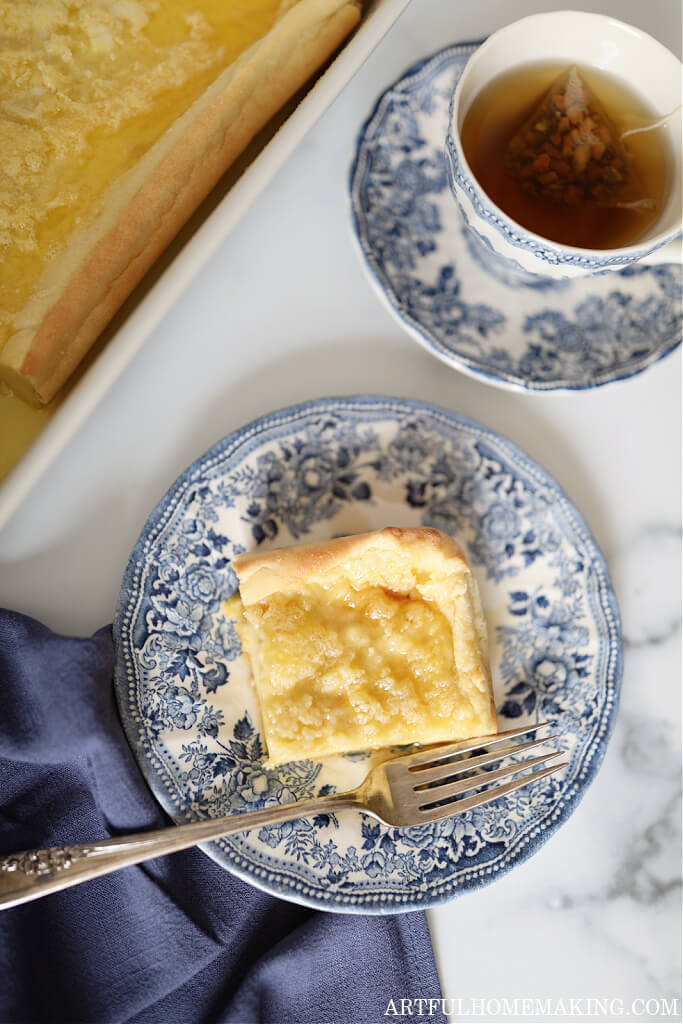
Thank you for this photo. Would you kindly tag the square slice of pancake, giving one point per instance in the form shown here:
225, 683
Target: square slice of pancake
365, 642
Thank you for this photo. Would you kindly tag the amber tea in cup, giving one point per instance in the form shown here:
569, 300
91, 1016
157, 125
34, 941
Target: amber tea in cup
555, 148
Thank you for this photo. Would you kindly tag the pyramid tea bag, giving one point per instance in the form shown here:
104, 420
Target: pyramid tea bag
589, 168
569, 152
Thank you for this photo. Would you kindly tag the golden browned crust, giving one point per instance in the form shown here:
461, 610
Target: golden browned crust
262, 573
302, 41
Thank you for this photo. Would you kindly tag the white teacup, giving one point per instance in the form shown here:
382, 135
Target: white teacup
572, 37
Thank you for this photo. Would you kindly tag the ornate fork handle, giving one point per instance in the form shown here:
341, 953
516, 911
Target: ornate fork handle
26, 876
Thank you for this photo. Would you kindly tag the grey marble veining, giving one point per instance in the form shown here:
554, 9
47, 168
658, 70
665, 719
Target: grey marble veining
647, 581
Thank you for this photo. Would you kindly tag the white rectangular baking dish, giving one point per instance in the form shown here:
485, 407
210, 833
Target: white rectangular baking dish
197, 241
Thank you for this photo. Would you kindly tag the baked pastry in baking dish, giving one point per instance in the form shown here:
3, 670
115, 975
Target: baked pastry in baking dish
365, 642
117, 117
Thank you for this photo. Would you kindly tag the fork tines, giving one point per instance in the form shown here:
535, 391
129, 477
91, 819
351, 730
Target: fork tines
437, 790
428, 756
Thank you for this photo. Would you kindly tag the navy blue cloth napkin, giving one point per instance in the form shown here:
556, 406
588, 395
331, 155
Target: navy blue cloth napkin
177, 939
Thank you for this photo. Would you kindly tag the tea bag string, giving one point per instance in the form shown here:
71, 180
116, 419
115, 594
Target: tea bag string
654, 124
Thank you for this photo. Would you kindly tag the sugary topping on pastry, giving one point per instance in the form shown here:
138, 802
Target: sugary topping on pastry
86, 88
365, 642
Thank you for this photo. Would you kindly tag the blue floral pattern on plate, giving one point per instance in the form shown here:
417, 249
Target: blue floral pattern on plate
465, 304
329, 468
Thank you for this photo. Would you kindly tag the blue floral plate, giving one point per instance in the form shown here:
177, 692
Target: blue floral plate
335, 467
460, 300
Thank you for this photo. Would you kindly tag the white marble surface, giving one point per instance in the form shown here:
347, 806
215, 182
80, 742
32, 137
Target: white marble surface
283, 313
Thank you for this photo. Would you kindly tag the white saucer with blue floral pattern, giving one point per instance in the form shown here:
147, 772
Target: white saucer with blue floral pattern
325, 469
461, 301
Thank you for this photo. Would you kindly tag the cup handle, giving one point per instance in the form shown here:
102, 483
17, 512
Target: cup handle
672, 252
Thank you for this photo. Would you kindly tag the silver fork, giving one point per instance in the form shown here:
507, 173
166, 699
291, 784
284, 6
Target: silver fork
416, 788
